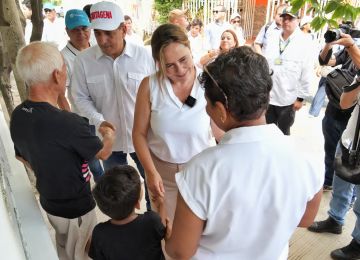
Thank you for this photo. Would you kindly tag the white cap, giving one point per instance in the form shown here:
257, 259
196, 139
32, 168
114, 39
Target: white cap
234, 15
305, 20
106, 16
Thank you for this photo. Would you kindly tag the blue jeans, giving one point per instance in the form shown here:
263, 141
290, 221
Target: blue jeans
342, 196
319, 98
332, 130
120, 158
341, 199
94, 164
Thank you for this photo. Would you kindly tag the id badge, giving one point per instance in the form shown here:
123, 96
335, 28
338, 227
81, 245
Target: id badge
278, 61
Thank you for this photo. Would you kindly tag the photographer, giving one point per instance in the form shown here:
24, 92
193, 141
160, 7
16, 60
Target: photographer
335, 119
343, 191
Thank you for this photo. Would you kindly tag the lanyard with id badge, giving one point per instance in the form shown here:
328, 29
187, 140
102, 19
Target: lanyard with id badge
282, 47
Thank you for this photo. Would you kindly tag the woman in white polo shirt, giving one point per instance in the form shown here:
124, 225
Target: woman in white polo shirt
243, 198
170, 124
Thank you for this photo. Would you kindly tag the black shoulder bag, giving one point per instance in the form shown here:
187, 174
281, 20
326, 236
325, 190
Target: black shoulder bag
347, 164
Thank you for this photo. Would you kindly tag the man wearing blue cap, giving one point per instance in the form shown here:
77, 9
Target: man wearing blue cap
77, 27
54, 28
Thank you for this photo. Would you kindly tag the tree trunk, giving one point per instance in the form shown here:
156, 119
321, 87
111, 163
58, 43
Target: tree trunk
13, 38
36, 20
5, 86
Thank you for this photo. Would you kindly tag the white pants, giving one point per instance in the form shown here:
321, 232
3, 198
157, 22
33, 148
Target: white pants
72, 235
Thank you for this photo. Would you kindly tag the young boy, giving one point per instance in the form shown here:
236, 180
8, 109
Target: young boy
126, 235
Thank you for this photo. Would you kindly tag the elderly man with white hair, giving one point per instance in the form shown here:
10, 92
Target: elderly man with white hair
56, 145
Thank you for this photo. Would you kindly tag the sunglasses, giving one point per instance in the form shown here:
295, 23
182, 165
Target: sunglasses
235, 21
217, 11
47, 10
217, 85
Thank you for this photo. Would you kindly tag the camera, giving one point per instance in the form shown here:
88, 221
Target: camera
334, 34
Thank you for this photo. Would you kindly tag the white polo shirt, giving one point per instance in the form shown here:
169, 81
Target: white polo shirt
69, 53
266, 35
177, 131
213, 33
105, 89
252, 190
55, 32
293, 69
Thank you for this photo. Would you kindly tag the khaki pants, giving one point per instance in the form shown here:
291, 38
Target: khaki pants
71, 235
167, 172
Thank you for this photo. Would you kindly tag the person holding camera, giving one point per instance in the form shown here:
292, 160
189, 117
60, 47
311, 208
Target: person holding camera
335, 119
343, 190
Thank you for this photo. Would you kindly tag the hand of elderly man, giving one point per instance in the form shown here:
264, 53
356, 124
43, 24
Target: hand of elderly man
107, 129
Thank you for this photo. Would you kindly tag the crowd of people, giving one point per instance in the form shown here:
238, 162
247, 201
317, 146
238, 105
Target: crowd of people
205, 119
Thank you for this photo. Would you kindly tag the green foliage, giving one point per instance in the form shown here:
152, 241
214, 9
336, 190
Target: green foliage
163, 7
333, 13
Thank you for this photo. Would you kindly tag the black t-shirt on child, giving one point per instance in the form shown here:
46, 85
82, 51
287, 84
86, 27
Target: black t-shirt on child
138, 240
57, 144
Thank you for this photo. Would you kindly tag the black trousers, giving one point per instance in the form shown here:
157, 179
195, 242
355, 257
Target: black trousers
283, 117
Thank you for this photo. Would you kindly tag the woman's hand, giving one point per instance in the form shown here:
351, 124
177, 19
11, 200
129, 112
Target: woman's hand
155, 185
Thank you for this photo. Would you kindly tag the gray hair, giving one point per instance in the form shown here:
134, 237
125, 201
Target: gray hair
37, 61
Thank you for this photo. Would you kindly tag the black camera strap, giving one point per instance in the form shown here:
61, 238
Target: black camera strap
354, 153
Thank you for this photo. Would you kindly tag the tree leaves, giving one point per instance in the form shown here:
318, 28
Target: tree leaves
328, 14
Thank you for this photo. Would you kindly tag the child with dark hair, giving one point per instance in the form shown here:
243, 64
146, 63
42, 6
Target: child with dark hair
126, 235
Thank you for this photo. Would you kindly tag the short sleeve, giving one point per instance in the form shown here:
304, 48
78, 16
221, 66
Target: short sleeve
82, 140
187, 187
94, 250
155, 222
260, 37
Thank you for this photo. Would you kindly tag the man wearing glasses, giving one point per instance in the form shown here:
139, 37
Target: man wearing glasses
77, 27
269, 30
54, 28
214, 29
235, 21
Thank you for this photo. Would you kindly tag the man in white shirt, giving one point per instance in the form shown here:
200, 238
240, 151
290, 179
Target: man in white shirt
235, 21
77, 27
214, 29
269, 30
289, 57
54, 28
131, 36
106, 79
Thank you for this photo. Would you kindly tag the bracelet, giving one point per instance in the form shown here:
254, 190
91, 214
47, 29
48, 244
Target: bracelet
348, 47
299, 99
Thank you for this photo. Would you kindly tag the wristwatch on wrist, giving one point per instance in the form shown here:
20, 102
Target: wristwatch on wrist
299, 99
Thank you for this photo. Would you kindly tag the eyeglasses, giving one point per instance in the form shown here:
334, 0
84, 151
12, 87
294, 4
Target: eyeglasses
235, 21
47, 10
217, 11
217, 85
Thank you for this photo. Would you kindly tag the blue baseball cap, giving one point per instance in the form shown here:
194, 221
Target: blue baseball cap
75, 18
49, 6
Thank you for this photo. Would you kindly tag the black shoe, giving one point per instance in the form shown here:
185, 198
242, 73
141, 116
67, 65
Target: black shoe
349, 252
327, 187
329, 225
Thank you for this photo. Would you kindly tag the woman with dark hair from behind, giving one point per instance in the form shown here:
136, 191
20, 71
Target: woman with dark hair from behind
234, 199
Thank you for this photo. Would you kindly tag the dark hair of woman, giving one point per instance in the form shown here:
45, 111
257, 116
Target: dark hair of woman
240, 79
